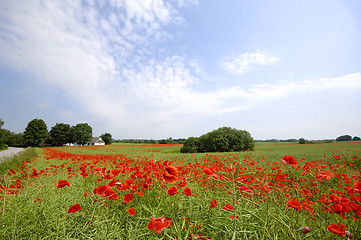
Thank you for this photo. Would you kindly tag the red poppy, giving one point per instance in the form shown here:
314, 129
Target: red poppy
339, 229
357, 186
334, 198
187, 191
131, 211
294, 204
37, 200
183, 183
289, 160
110, 194
172, 191
325, 175
74, 208
228, 207
158, 224
100, 190
128, 198
62, 183
214, 203
170, 174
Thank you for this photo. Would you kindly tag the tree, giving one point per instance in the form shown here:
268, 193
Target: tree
344, 138
35, 133
355, 138
81, 133
2, 132
60, 134
302, 141
224, 139
107, 138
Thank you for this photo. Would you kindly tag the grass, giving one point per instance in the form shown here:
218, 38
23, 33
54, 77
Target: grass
256, 184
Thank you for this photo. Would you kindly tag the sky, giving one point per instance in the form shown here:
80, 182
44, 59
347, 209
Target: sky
154, 69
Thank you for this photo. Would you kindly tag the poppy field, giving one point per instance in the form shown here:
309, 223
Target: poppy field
151, 191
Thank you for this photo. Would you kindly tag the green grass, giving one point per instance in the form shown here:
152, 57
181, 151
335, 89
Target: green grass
251, 179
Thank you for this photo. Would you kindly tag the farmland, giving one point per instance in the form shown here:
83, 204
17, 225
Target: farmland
150, 191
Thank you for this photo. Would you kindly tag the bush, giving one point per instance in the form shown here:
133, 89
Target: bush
355, 138
224, 139
302, 141
344, 138
3, 147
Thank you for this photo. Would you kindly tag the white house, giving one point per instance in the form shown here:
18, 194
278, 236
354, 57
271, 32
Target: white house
96, 141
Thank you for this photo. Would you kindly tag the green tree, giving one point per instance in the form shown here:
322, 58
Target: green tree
356, 138
35, 133
302, 141
107, 138
224, 139
344, 138
2, 132
60, 134
190, 145
81, 133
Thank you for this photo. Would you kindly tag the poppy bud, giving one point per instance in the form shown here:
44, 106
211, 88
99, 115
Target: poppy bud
305, 230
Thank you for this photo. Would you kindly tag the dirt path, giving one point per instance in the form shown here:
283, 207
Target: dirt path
10, 152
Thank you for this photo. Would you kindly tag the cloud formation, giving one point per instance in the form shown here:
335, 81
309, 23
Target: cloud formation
107, 57
244, 62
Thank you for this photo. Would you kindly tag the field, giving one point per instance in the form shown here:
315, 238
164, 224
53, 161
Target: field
124, 191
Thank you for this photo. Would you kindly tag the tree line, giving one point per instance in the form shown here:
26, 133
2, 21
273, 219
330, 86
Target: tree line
36, 134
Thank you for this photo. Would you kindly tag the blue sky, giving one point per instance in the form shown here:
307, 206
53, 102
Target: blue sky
180, 68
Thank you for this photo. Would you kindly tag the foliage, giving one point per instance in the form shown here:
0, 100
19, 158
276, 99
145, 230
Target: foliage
35, 133
107, 138
81, 133
344, 138
3, 146
224, 139
356, 138
302, 141
60, 134
17, 160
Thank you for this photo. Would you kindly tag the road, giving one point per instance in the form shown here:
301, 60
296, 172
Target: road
10, 152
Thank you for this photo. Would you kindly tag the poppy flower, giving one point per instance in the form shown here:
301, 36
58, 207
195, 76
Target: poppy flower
325, 175
158, 224
294, 204
74, 208
214, 203
170, 174
334, 198
357, 186
172, 191
37, 200
131, 211
187, 191
228, 207
339, 229
183, 183
128, 198
289, 160
100, 190
62, 183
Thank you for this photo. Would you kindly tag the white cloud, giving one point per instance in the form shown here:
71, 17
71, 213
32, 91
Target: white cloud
244, 62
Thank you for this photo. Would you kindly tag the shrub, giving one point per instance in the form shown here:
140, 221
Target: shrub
224, 139
302, 141
344, 138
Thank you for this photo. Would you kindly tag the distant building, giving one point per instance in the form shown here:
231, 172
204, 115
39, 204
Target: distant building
96, 141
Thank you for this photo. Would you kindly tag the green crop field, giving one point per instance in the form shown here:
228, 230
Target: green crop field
151, 191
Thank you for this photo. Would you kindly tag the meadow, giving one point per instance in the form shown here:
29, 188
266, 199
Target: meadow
150, 191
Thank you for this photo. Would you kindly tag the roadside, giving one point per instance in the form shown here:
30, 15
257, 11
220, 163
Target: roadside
11, 151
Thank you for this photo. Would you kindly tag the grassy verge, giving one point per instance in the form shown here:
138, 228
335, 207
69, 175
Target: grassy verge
12, 162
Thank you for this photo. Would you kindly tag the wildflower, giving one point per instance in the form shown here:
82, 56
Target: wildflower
357, 186
228, 207
131, 211
183, 183
170, 174
334, 198
172, 191
62, 183
187, 191
37, 200
128, 198
325, 175
158, 224
74, 208
289, 160
305, 230
214, 203
339, 229
294, 204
